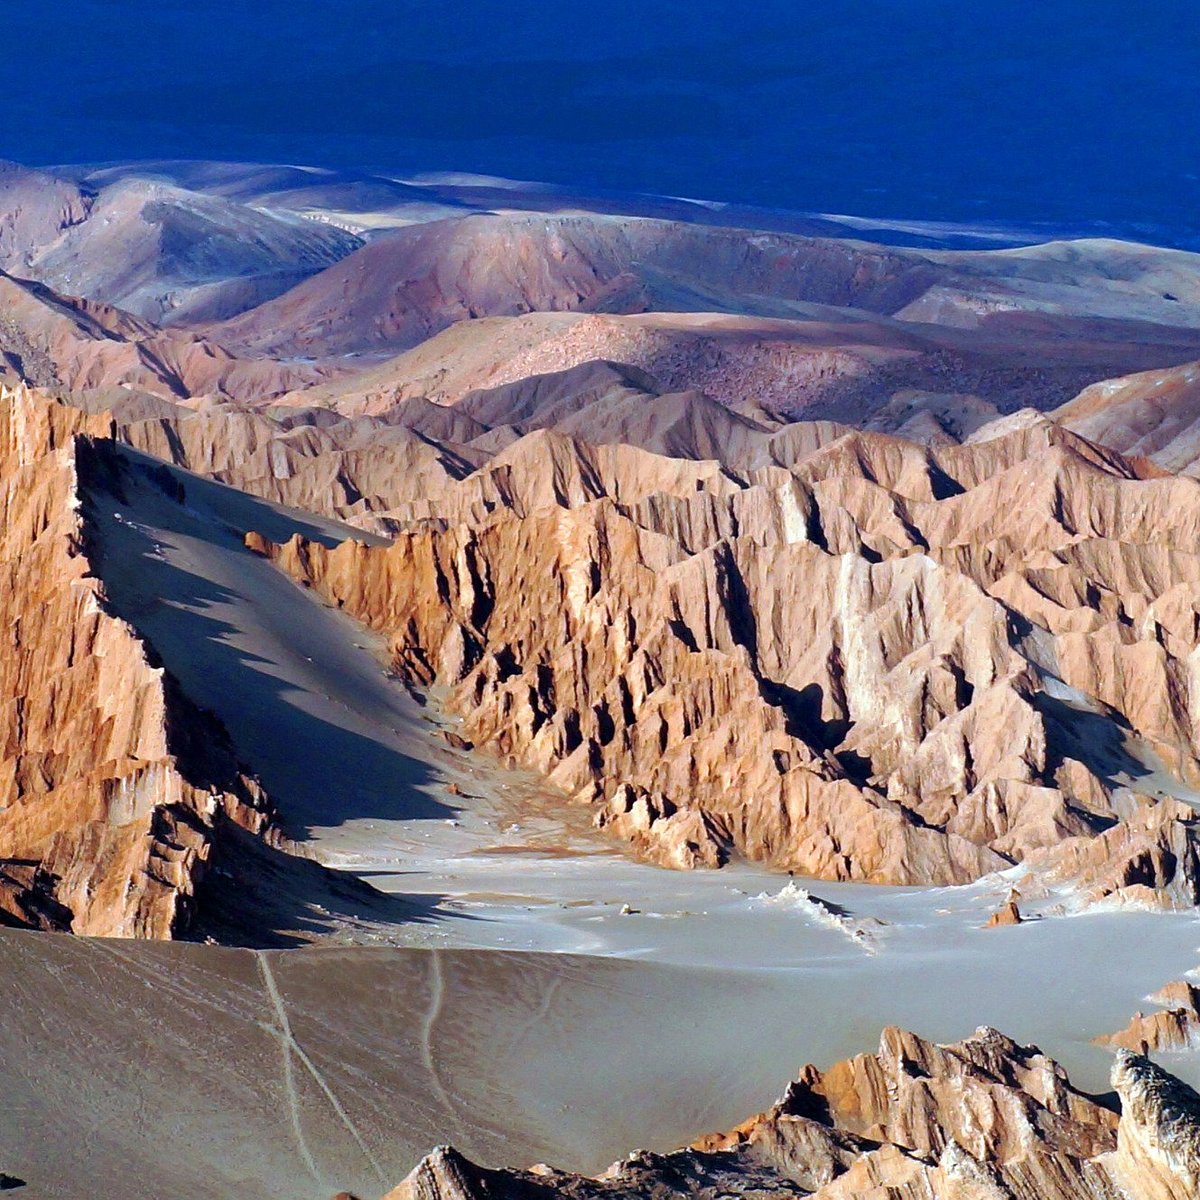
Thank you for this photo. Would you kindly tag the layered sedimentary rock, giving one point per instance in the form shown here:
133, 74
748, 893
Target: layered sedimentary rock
985, 1119
114, 789
878, 661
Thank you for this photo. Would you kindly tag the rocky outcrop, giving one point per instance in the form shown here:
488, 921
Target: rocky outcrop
1158, 1140
984, 1119
880, 661
1009, 913
359, 471
1174, 1026
1148, 859
114, 789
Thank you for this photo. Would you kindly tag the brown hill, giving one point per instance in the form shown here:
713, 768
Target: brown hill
88, 348
852, 367
400, 289
1154, 413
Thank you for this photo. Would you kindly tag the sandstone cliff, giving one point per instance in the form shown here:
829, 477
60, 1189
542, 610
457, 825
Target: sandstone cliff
114, 790
873, 661
985, 1119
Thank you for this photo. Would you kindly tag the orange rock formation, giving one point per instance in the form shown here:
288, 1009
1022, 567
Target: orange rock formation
115, 789
872, 661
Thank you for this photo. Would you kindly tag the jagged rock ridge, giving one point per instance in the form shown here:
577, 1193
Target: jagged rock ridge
877, 661
984, 1119
116, 790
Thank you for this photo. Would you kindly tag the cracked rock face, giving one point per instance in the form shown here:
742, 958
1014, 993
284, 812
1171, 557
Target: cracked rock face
984, 1119
1158, 1143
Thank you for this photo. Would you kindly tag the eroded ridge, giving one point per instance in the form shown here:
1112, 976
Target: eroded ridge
984, 1119
870, 660
116, 789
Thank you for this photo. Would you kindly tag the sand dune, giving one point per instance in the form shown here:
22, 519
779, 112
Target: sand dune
534, 1057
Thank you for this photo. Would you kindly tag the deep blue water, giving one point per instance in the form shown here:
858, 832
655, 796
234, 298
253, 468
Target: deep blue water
1079, 112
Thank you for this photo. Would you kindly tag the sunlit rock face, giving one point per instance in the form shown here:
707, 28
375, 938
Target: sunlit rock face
872, 660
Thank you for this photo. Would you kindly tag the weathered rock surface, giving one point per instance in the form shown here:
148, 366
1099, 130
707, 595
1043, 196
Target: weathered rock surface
1158, 1139
985, 1119
1174, 1026
114, 789
1009, 913
876, 661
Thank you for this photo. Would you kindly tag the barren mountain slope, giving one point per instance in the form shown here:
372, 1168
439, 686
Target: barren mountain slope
366, 203
376, 470
86, 348
984, 1119
161, 252
37, 207
126, 811
116, 789
844, 365
883, 663
400, 289
170, 256
1155, 413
